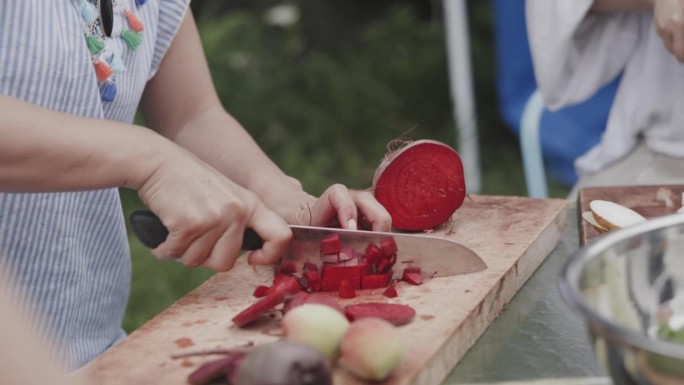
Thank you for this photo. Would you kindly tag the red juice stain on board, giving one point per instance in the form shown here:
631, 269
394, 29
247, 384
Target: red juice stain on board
427, 317
184, 342
187, 363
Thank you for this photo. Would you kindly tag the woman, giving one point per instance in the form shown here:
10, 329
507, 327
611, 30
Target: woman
580, 45
72, 75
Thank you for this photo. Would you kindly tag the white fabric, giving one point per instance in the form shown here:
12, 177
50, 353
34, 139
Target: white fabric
575, 52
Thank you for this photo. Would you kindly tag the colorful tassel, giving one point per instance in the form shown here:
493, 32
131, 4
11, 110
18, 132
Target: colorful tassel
89, 12
133, 21
108, 91
141, 2
132, 39
102, 70
117, 64
95, 45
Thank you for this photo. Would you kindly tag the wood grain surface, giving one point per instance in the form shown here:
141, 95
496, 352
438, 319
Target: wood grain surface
513, 236
641, 199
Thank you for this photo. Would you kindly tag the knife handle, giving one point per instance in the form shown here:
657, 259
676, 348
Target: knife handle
151, 232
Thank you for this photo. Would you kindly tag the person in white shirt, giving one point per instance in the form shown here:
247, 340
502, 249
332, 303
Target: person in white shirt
580, 45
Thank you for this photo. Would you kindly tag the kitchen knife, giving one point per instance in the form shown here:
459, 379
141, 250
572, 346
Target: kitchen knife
435, 256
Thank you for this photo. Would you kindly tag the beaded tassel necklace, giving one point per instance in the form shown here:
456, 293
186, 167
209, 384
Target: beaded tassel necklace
104, 20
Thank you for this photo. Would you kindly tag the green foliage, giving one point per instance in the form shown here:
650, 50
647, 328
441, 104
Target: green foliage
327, 115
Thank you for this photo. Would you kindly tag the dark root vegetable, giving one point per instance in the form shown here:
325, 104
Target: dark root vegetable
284, 363
421, 184
394, 313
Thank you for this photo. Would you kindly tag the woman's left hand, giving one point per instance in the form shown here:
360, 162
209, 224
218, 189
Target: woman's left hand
338, 206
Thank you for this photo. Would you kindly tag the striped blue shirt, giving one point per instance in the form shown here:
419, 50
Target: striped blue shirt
68, 252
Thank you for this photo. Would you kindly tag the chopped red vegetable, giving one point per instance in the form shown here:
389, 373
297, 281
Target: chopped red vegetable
330, 244
276, 294
345, 255
376, 281
260, 291
310, 266
313, 280
412, 269
420, 185
330, 258
346, 290
412, 278
373, 254
388, 246
395, 313
288, 268
384, 266
390, 292
341, 271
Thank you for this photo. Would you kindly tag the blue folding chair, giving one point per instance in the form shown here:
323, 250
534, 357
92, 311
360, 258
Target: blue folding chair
550, 141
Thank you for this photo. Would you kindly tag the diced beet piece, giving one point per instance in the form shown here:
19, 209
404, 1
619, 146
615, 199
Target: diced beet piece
319, 298
395, 313
333, 284
288, 268
310, 266
384, 266
388, 246
260, 291
344, 272
346, 290
330, 244
330, 284
412, 278
376, 281
345, 255
390, 292
352, 262
330, 258
411, 269
373, 254
313, 280
276, 295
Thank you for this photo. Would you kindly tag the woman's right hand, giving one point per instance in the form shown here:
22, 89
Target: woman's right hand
206, 215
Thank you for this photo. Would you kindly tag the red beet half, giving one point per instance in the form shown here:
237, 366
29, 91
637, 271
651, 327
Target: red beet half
421, 185
397, 314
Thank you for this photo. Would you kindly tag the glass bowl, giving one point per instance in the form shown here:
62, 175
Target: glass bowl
629, 287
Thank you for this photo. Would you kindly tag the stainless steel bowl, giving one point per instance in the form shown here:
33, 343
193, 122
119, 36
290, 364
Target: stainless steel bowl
623, 284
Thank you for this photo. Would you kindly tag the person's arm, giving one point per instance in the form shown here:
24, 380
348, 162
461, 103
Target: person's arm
180, 102
621, 5
668, 17
23, 359
206, 213
576, 51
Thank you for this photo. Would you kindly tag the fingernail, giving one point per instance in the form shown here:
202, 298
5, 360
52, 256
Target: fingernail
351, 224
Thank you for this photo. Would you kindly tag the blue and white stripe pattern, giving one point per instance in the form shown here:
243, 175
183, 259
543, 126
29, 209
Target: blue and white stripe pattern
68, 252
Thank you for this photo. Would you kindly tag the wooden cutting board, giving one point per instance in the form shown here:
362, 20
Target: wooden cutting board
641, 199
512, 235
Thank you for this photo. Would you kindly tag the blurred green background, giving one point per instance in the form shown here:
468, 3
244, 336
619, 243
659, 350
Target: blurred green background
323, 86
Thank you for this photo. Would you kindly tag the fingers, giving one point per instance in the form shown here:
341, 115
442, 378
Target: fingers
336, 203
348, 207
372, 211
214, 241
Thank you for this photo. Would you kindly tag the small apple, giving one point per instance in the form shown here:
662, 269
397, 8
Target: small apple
316, 325
371, 348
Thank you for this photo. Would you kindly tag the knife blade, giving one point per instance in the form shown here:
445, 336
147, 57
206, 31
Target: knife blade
436, 256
